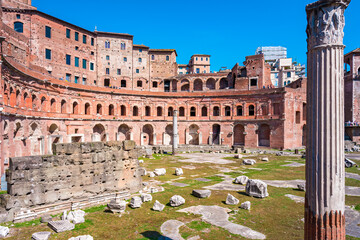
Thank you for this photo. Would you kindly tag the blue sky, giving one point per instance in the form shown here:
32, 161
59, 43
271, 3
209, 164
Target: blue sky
228, 30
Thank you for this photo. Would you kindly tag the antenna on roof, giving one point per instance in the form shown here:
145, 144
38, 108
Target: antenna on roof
95, 28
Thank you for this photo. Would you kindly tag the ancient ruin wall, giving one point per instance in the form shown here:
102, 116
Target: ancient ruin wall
75, 171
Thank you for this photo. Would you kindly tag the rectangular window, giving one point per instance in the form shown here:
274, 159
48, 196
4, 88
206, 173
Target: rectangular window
92, 66
155, 84
68, 59
140, 50
107, 71
84, 81
123, 46
76, 36
92, 41
152, 57
68, 77
76, 62
107, 57
48, 54
76, 79
289, 75
167, 58
207, 59
18, 16
47, 32
68, 34
84, 39
201, 59
84, 63
137, 70
125, 59
140, 60
198, 70
119, 72
253, 82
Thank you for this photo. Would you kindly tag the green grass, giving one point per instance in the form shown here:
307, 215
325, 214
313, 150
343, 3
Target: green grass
100, 208
84, 225
198, 225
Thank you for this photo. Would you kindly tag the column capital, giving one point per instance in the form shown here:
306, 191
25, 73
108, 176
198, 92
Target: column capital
326, 23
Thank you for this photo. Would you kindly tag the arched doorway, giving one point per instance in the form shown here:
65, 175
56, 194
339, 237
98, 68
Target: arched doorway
194, 134
99, 133
210, 84
264, 135
123, 132
148, 135
216, 134
239, 136
168, 136
198, 85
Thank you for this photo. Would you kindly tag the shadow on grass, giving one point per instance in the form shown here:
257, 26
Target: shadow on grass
153, 235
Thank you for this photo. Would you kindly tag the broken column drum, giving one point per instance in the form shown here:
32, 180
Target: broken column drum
325, 188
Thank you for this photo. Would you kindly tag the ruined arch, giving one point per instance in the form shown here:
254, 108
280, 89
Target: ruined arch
99, 134
168, 136
185, 85
148, 134
264, 135
211, 84
194, 134
53, 128
123, 132
198, 85
239, 136
224, 83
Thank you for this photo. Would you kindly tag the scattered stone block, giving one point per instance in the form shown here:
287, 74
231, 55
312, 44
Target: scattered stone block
61, 226
247, 151
129, 145
238, 150
179, 172
152, 174
41, 236
201, 193
146, 197
158, 206
231, 200
117, 205
256, 188
4, 231
83, 237
301, 187
249, 161
46, 218
265, 159
238, 156
76, 216
141, 161
64, 215
142, 172
135, 202
246, 205
176, 201
160, 172
177, 184
241, 180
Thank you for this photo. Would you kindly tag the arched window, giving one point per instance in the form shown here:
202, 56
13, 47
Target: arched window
198, 85
33, 101
135, 111
170, 112
159, 111
19, 27
63, 106
53, 105
210, 84
123, 110
239, 110
87, 109
224, 83
204, 111
358, 71
251, 110
227, 111
139, 83
181, 111
75, 108
147, 111
123, 83
43, 99
216, 111
192, 112
18, 98
111, 110
99, 109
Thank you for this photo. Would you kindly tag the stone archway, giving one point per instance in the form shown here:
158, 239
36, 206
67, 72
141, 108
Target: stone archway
123, 132
99, 134
264, 135
194, 134
239, 136
168, 135
148, 135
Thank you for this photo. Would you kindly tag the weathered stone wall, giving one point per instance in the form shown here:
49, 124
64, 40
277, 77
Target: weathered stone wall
75, 171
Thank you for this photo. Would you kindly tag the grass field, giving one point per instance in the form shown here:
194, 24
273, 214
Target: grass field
276, 216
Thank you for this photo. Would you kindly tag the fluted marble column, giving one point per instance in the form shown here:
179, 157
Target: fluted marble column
325, 176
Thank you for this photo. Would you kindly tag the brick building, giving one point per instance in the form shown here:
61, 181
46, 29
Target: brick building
62, 83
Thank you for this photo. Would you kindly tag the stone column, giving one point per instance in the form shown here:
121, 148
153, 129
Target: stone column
175, 132
325, 178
